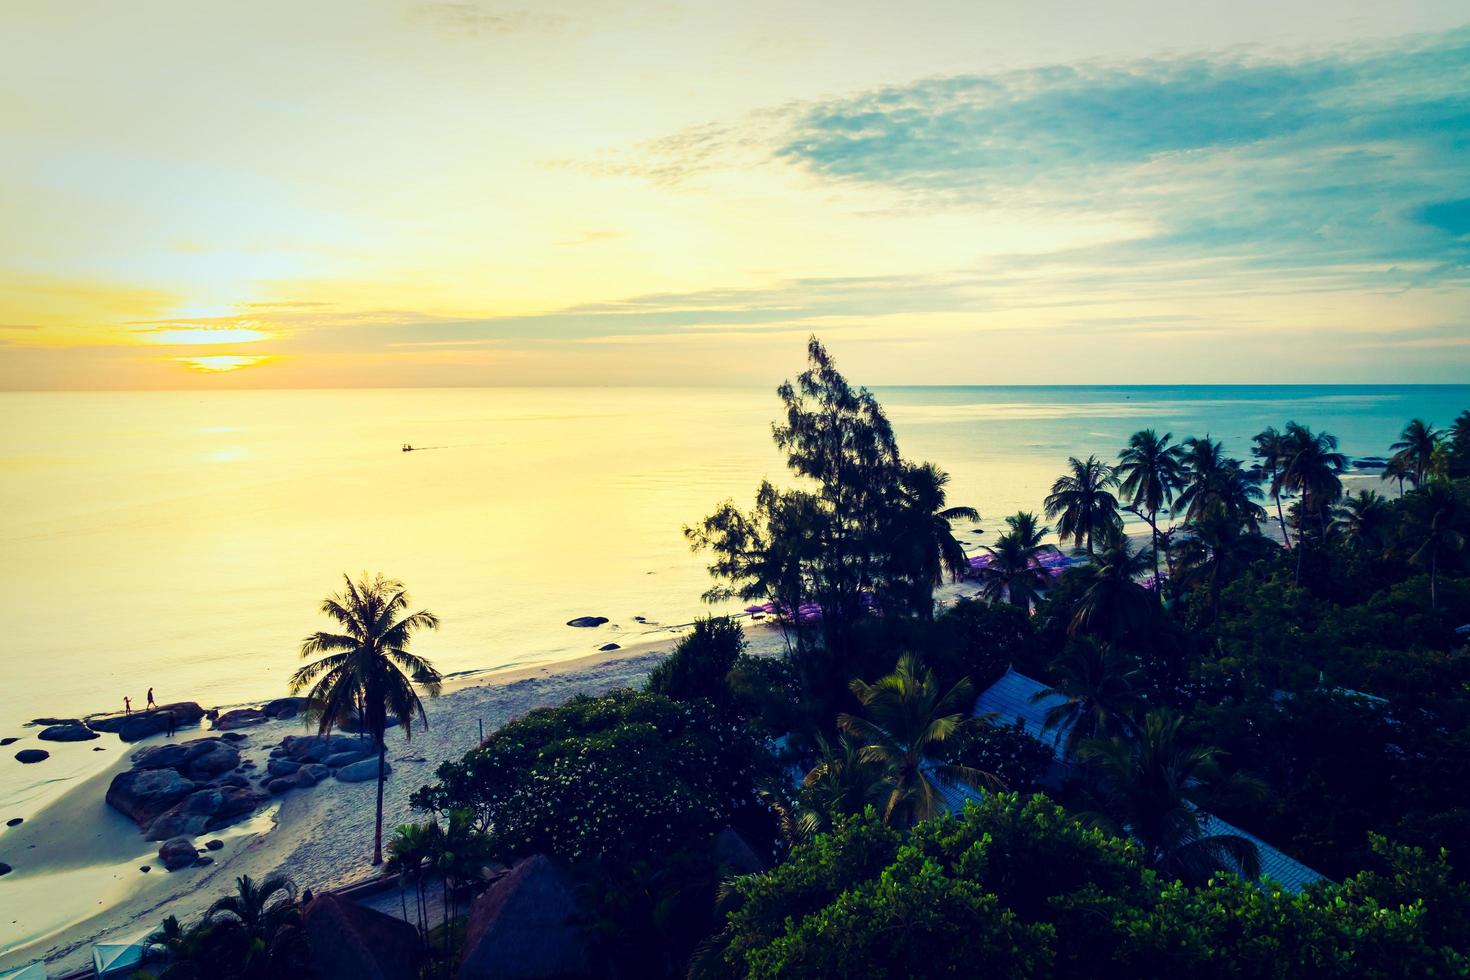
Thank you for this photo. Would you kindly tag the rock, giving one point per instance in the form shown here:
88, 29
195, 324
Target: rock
524, 926
240, 718
54, 722
587, 622
176, 823
177, 852
354, 726
98, 748
141, 724
283, 784
350, 940
203, 861
234, 736
29, 756
361, 772
161, 756
146, 794
68, 733
9, 740
282, 767
15, 821
317, 748
311, 774
145, 868
214, 845
282, 708
609, 646
220, 758
5, 869
339, 759
239, 782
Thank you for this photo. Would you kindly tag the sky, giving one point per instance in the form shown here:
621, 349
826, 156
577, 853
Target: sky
367, 193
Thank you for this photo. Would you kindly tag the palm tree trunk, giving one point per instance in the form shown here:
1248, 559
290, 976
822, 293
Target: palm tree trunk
1154, 526
1281, 519
382, 778
1433, 575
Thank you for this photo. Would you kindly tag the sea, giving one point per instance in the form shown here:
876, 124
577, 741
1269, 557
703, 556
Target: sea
183, 541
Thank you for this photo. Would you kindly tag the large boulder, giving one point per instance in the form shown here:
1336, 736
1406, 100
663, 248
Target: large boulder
587, 622
339, 759
39, 722
282, 767
30, 756
361, 772
311, 774
171, 756
68, 733
350, 941
318, 748
176, 823
221, 757
240, 718
141, 724
524, 927
146, 794
177, 852
282, 708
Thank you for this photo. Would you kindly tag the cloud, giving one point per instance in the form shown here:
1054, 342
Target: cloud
477, 19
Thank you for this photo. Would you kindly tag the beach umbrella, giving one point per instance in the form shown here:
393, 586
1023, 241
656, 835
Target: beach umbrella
32, 971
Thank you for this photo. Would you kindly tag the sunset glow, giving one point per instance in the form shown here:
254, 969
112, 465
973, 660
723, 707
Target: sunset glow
219, 363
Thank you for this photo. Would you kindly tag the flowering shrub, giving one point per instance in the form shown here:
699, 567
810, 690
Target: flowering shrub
626, 776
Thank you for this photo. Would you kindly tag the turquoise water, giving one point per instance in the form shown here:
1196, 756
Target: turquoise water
182, 540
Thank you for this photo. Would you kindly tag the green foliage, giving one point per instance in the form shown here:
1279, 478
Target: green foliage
1016, 888
253, 934
1012, 756
622, 777
701, 663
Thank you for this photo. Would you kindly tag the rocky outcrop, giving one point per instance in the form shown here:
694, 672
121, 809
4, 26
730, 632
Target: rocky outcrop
609, 646
141, 724
144, 795
31, 756
339, 759
587, 622
68, 733
361, 772
352, 942
283, 708
178, 852
240, 718
178, 790
524, 927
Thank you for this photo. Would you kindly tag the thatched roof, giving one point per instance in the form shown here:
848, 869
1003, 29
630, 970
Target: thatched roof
524, 928
352, 942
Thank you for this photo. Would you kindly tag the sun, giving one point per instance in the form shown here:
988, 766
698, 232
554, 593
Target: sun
220, 363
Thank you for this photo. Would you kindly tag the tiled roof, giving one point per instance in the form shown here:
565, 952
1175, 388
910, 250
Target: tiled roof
1010, 698
1287, 872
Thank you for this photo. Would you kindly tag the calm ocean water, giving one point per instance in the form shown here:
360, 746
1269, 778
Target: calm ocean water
182, 540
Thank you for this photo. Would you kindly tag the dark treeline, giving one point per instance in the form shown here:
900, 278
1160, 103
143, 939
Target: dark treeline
1274, 652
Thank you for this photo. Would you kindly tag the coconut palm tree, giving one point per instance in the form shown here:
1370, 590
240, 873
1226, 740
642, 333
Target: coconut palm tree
261, 910
905, 722
925, 487
842, 782
410, 850
1313, 467
367, 670
1114, 604
1362, 521
1459, 442
1415, 449
254, 934
1271, 449
1084, 501
1151, 787
1097, 685
1150, 471
1015, 572
1216, 550
1397, 469
1437, 527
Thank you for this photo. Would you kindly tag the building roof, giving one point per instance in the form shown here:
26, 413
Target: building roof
1010, 699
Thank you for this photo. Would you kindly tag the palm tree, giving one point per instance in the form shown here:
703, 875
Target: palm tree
1271, 450
1203, 461
1150, 470
842, 782
1015, 572
1415, 449
1083, 500
1151, 787
1362, 520
1313, 467
905, 722
1459, 442
260, 910
1096, 685
368, 671
1114, 603
410, 850
1397, 469
1438, 524
925, 487
1216, 550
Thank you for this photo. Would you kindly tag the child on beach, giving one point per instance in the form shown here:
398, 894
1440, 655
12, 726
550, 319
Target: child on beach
127, 705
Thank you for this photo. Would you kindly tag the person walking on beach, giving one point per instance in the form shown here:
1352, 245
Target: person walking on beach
127, 705
171, 723
151, 703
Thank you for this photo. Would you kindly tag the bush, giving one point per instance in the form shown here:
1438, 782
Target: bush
701, 663
1019, 760
623, 777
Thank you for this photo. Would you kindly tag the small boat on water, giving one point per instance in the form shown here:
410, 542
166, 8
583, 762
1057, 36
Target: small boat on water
407, 448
